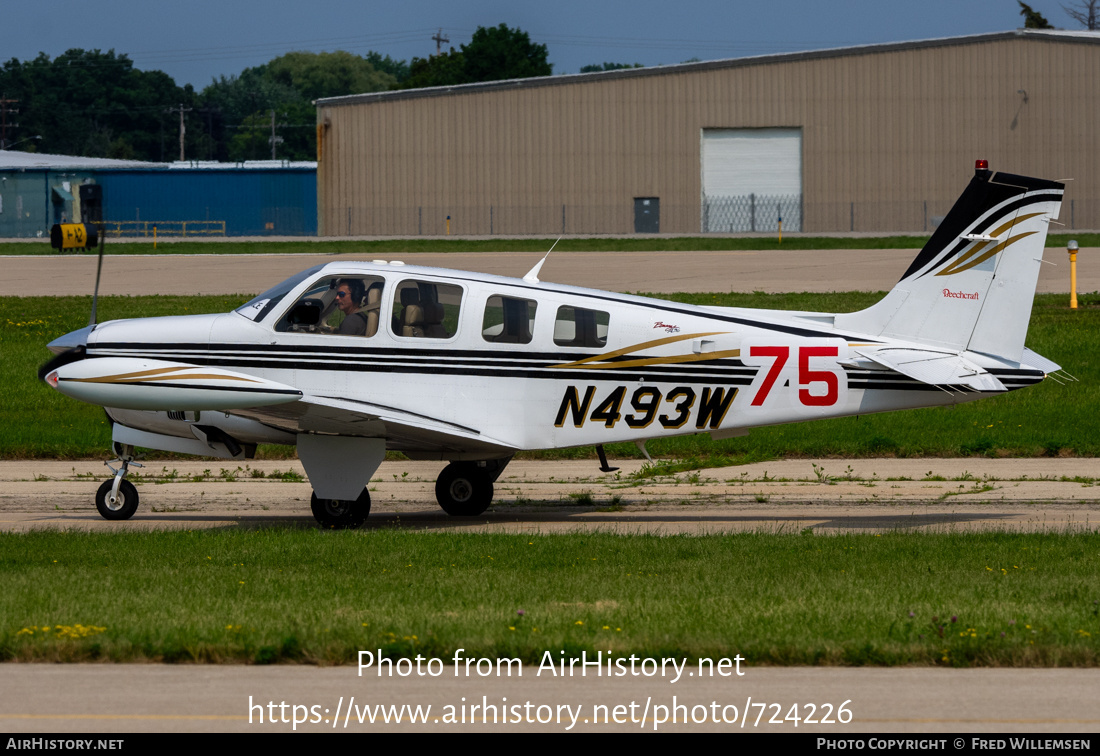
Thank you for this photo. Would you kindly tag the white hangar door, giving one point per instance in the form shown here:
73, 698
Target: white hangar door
751, 179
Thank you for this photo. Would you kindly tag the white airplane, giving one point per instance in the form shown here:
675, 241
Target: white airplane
348, 360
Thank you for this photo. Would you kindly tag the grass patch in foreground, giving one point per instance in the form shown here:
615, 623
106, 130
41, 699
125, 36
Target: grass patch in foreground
284, 595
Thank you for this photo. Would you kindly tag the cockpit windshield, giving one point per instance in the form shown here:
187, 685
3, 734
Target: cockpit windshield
257, 308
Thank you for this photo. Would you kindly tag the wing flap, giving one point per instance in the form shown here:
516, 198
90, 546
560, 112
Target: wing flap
403, 430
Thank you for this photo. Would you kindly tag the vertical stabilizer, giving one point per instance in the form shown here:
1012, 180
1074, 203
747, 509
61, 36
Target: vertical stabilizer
973, 284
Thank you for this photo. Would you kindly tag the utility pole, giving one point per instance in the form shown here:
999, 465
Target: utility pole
183, 129
439, 41
274, 139
4, 110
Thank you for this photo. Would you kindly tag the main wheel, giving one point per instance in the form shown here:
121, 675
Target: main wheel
463, 489
124, 505
341, 513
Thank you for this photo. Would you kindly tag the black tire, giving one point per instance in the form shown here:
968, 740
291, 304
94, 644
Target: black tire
464, 490
339, 513
125, 505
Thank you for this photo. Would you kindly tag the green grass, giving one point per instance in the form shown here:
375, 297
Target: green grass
1045, 420
285, 595
388, 247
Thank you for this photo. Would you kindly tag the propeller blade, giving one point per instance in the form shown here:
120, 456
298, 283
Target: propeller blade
98, 269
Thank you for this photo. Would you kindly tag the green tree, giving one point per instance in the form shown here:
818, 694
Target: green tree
445, 69
501, 53
1033, 19
398, 69
494, 53
316, 75
94, 103
294, 130
238, 109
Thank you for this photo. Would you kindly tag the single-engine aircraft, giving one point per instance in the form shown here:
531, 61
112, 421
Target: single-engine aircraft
349, 359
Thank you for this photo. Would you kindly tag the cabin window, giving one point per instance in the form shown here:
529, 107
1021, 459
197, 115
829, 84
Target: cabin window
508, 320
426, 310
337, 305
575, 327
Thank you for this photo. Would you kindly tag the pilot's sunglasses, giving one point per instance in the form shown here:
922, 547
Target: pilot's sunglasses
341, 294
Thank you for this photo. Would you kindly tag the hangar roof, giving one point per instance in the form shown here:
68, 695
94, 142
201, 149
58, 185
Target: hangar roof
10, 159
1077, 36
16, 160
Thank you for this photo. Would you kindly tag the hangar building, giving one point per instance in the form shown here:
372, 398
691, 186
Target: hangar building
254, 198
877, 138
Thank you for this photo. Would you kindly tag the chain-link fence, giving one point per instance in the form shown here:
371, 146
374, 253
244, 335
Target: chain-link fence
718, 215
752, 212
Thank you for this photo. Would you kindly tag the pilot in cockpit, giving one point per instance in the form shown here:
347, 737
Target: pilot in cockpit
349, 297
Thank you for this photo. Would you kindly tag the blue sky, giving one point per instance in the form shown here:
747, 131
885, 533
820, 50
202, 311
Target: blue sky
197, 40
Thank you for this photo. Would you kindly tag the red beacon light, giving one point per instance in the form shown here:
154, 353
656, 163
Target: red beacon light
981, 165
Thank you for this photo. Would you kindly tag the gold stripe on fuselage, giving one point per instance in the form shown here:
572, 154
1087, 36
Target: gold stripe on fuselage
600, 361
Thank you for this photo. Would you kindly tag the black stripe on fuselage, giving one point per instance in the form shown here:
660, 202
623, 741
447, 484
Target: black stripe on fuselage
1010, 208
486, 364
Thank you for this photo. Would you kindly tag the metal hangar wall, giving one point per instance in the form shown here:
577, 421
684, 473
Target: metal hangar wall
878, 138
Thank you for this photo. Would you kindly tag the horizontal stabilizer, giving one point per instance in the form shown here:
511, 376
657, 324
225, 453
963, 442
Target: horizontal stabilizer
936, 368
141, 384
1040, 362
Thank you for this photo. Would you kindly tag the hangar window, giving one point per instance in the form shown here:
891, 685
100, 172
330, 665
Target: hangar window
581, 328
338, 305
508, 320
426, 310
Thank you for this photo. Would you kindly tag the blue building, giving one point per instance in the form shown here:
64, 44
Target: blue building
256, 198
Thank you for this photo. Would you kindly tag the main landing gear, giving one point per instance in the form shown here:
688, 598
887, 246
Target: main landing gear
117, 499
341, 514
465, 489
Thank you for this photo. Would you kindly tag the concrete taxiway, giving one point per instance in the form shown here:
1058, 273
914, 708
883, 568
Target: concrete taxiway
828, 495
122, 698
659, 272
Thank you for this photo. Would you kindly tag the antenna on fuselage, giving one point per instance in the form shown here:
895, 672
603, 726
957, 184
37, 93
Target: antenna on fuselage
533, 274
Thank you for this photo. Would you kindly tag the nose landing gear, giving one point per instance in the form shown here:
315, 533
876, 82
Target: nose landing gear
117, 499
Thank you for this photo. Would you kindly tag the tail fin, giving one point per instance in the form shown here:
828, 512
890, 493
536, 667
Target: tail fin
973, 284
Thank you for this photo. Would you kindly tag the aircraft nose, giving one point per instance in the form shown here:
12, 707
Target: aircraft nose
71, 340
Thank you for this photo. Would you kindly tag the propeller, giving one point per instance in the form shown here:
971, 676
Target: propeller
72, 347
98, 270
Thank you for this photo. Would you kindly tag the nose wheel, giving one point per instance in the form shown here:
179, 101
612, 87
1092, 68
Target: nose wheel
464, 490
117, 499
116, 505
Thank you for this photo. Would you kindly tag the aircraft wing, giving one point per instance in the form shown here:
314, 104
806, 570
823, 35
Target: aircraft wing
402, 429
947, 370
